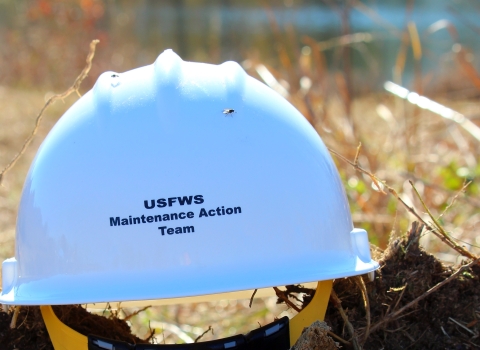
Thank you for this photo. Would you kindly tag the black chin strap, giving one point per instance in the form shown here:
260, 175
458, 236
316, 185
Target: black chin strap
274, 336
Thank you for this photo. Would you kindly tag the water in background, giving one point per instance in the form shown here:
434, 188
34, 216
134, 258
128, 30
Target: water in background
44, 40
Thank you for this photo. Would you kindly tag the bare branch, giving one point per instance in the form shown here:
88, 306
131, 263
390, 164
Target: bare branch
127, 317
13, 323
363, 288
251, 298
282, 296
357, 154
340, 339
462, 190
201, 335
338, 304
375, 179
439, 230
436, 231
51, 100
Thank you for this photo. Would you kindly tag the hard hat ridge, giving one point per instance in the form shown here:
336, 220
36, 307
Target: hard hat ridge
167, 68
222, 83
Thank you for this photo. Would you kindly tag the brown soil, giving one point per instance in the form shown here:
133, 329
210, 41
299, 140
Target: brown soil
406, 273
30, 332
446, 319
427, 324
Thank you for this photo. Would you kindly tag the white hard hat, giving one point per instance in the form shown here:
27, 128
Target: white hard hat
179, 179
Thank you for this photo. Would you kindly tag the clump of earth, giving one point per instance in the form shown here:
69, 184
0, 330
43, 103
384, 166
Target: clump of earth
445, 319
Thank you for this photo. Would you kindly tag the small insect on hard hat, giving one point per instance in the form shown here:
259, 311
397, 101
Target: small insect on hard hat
145, 189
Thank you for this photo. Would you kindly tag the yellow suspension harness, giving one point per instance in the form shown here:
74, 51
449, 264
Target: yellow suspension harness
279, 335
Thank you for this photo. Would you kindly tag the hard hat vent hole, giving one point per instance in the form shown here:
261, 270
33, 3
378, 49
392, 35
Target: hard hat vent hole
115, 80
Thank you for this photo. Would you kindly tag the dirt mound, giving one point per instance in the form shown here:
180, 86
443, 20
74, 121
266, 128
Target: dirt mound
414, 302
30, 332
445, 319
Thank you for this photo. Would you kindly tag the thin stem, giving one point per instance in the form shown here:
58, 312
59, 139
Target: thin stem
51, 100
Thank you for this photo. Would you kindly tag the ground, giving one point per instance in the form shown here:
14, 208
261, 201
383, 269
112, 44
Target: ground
445, 319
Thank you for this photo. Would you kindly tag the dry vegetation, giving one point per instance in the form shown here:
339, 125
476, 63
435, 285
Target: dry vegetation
413, 165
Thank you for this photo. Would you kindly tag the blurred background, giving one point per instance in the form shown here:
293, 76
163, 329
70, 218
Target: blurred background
330, 58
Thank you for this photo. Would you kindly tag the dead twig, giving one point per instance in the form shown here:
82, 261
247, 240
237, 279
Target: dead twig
420, 337
435, 221
455, 194
282, 296
51, 100
127, 317
357, 154
152, 333
25, 318
443, 331
461, 325
363, 288
340, 339
444, 238
408, 336
251, 298
454, 199
393, 315
375, 179
440, 231
13, 323
108, 308
338, 304
201, 335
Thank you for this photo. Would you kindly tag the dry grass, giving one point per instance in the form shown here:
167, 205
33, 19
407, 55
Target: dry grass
400, 143
378, 212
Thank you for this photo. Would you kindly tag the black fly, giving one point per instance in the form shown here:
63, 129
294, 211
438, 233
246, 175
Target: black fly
228, 111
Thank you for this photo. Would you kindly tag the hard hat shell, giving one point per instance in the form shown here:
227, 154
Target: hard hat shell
179, 179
